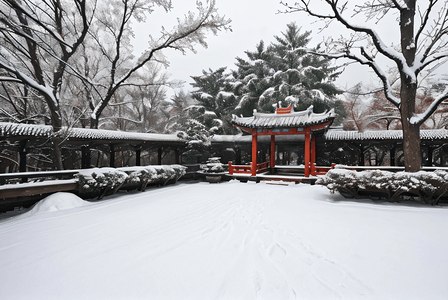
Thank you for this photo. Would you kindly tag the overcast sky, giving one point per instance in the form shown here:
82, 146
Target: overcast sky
252, 21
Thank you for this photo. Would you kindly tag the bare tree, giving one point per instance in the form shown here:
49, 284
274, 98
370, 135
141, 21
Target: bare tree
38, 38
355, 106
149, 98
423, 42
138, 107
383, 115
21, 104
46, 44
116, 29
176, 109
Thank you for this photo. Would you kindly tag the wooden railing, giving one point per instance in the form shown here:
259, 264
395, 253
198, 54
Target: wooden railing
239, 169
319, 170
37, 188
20, 184
37, 176
262, 167
390, 168
247, 169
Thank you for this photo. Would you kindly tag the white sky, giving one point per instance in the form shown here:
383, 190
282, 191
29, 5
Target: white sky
252, 21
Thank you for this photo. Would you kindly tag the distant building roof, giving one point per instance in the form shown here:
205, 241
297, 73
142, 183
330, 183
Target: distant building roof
338, 135
341, 135
284, 120
30, 130
17, 130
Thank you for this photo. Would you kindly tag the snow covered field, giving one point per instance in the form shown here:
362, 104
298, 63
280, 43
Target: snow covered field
224, 241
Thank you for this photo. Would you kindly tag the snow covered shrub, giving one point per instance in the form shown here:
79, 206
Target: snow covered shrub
179, 171
107, 179
86, 182
153, 174
100, 178
166, 174
110, 179
427, 186
171, 172
341, 180
137, 175
213, 165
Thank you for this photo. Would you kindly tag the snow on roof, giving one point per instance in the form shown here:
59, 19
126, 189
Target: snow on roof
247, 139
231, 138
15, 129
336, 135
294, 119
85, 133
340, 135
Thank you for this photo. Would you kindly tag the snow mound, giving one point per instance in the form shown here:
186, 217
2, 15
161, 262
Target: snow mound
57, 201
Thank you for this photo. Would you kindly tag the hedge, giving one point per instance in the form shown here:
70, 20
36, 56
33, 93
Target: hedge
429, 187
104, 181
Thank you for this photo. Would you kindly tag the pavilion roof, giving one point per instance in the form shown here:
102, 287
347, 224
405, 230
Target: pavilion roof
299, 119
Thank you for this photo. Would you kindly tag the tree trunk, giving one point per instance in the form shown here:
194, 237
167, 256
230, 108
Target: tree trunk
411, 148
56, 122
93, 123
411, 132
57, 154
392, 156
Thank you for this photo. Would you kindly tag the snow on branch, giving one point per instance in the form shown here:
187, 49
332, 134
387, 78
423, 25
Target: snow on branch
192, 29
419, 119
10, 79
337, 14
17, 6
377, 9
243, 100
185, 35
25, 79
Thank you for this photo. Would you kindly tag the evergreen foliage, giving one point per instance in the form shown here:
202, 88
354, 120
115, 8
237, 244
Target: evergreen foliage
285, 72
192, 123
253, 78
214, 91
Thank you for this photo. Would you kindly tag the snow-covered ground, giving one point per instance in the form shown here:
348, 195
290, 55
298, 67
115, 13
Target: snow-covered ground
224, 241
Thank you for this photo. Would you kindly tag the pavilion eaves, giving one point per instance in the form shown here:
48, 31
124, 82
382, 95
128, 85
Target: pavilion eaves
300, 119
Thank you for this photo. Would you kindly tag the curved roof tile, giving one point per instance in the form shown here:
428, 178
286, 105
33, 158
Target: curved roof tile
16, 129
294, 119
341, 135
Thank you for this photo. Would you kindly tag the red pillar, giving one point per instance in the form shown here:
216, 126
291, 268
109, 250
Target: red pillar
254, 154
307, 153
313, 154
272, 154
230, 168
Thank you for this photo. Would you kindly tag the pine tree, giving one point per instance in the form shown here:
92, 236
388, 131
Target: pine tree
284, 72
253, 78
287, 72
214, 92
